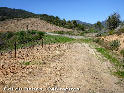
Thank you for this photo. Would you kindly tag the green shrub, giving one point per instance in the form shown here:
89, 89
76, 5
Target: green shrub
97, 40
120, 73
122, 52
21, 33
111, 32
26, 63
40, 34
32, 32
9, 35
114, 45
121, 30
6, 35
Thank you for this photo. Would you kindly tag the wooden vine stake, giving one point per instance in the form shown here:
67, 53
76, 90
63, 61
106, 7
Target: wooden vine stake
15, 48
42, 42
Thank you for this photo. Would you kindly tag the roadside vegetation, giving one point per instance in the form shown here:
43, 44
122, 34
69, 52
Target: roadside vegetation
108, 53
28, 38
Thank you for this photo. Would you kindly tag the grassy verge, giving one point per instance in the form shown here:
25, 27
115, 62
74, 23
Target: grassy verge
109, 56
28, 38
119, 66
114, 60
49, 39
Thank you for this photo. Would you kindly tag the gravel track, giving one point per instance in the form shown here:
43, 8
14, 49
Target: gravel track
76, 66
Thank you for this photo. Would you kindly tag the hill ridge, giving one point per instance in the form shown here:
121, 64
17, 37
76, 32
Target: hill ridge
29, 24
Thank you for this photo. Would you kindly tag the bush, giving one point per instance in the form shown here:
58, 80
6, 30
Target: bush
9, 35
32, 32
7, 39
40, 35
97, 40
21, 36
121, 30
114, 45
122, 52
6, 35
111, 32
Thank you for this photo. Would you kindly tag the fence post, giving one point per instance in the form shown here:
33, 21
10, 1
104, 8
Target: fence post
27, 27
15, 49
42, 42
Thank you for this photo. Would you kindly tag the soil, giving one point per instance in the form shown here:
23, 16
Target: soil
115, 37
58, 68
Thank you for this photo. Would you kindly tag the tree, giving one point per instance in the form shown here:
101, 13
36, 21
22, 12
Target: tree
99, 26
113, 21
81, 27
74, 23
63, 22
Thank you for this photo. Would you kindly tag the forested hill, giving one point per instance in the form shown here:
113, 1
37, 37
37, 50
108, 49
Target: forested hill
9, 13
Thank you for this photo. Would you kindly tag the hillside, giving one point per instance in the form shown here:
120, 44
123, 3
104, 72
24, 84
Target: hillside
29, 24
9, 13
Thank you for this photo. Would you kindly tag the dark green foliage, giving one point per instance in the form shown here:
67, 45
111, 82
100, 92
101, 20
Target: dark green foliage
97, 40
120, 74
33, 32
113, 21
29, 38
41, 34
7, 39
74, 23
114, 45
122, 52
98, 26
9, 35
111, 32
6, 35
62, 23
8, 13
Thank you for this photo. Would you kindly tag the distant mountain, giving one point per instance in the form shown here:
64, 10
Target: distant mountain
80, 22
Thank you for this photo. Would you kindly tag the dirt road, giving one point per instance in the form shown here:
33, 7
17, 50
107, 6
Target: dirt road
68, 68
65, 35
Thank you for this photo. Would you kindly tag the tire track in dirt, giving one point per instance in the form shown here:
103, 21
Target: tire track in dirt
66, 66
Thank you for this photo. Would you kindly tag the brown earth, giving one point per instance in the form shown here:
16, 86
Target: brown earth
60, 65
115, 37
29, 24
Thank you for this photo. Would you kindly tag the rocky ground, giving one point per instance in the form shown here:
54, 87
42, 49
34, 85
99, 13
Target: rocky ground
58, 68
29, 24
115, 37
